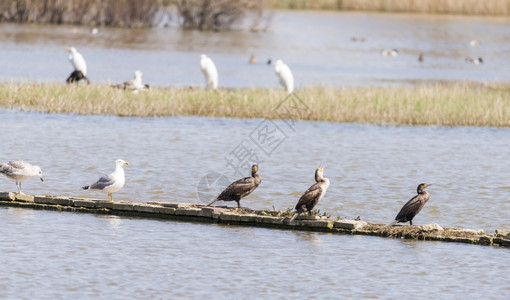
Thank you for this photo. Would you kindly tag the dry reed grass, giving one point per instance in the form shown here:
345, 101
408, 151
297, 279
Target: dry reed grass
452, 104
466, 7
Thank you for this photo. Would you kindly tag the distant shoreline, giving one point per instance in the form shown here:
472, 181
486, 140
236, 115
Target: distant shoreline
258, 13
464, 7
442, 104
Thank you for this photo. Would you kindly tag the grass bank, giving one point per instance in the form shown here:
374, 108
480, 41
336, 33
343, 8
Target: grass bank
445, 104
462, 7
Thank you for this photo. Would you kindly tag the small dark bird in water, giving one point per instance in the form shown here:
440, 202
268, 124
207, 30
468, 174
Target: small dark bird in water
413, 206
313, 195
269, 61
420, 58
240, 188
358, 218
77, 76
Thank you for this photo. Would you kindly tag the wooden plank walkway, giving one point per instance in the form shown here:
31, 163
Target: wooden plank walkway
257, 218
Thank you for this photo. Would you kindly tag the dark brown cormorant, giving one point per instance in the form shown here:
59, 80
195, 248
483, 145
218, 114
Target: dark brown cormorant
313, 195
413, 206
77, 76
240, 188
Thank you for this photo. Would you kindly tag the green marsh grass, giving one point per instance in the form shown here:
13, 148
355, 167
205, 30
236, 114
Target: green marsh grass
444, 104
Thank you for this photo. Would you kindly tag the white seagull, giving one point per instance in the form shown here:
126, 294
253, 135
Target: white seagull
110, 183
136, 83
285, 75
209, 70
20, 171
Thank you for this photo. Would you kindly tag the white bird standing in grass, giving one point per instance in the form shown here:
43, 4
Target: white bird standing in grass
110, 183
136, 83
20, 171
80, 67
285, 75
209, 70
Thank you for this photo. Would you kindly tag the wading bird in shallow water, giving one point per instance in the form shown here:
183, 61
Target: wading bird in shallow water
80, 67
387, 52
210, 72
284, 75
19, 171
475, 61
313, 195
474, 43
413, 206
240, 188
110, 183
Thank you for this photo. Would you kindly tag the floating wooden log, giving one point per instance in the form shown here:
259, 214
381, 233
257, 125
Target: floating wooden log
249, 217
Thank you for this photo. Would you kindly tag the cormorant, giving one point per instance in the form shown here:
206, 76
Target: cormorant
240, 188
313, 195
413, 206
77, 76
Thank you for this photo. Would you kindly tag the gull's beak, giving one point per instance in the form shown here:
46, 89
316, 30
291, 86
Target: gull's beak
67, 49
42, 179
126, 163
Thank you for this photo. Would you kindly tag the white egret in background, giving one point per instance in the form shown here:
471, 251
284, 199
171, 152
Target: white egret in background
285, 75
209, 70
80, 67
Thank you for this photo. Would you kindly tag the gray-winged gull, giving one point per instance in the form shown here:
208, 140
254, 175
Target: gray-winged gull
20, 171
110, 183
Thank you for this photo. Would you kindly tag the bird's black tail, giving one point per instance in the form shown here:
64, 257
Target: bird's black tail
86, 187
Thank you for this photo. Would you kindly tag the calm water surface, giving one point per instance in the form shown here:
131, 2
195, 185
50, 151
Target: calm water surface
373, 171
66, 255
316, 45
